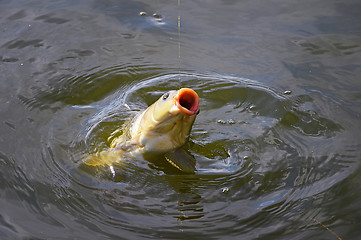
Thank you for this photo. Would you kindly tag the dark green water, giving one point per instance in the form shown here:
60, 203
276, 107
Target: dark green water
277, 141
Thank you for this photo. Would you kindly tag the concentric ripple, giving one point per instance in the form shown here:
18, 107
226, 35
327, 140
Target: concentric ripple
255, 164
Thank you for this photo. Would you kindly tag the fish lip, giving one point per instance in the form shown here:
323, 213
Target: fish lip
187, 101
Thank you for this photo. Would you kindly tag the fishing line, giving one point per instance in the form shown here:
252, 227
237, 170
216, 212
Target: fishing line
179, 43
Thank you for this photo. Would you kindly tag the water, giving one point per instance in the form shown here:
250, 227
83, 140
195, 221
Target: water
277, 141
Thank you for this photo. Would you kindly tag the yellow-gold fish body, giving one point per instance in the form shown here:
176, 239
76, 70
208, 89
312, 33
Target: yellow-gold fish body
160, 130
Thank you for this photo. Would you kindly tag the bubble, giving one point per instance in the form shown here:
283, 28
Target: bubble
225, 189
142, 14
287, 92
159, 18
156, 15
252, 107
231, 121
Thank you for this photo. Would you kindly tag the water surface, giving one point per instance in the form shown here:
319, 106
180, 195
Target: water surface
277, 141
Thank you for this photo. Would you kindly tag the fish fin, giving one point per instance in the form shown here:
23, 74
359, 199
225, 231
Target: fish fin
103, 158
181, 160
92, 160
116, 141
126, 146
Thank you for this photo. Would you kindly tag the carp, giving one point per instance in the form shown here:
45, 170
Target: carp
159, 131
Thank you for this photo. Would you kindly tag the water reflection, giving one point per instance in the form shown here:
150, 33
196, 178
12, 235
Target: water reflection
329, 44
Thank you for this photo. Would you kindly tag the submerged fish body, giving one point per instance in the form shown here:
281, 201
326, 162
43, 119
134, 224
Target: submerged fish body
160, 130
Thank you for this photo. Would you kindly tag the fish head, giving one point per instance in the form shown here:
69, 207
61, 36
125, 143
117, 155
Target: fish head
184, 102
166, 124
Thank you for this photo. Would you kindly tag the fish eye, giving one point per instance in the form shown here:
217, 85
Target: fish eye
165, 96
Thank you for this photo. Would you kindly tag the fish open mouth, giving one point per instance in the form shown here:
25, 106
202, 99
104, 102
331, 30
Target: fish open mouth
187, 101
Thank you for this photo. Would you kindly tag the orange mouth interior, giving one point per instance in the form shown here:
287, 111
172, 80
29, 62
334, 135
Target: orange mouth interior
187, 101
